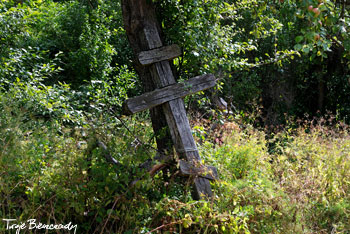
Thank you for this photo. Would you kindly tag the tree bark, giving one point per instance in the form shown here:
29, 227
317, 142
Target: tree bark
134, 24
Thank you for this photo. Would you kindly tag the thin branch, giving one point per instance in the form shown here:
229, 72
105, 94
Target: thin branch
148, 146
109, 215
106, 154
164, 225
342, 10
41, 205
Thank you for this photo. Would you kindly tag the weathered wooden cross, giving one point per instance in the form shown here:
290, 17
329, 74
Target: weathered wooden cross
169, 94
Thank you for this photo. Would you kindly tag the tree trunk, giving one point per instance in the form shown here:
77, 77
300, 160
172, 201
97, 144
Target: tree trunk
135, 13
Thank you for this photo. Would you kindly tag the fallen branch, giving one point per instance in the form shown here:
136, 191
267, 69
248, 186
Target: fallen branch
106, 153
96, 143
157, 168
152, 167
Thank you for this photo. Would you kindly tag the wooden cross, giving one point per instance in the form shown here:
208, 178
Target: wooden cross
143, 32
169, 94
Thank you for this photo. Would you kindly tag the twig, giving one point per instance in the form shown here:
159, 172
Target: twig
342, 10
131, 133
106, 154
94, 143
163, 226
152, 172
42, 205
109, 215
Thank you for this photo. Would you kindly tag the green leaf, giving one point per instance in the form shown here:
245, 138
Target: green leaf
109, 211
298, 39
306, 49
298, 47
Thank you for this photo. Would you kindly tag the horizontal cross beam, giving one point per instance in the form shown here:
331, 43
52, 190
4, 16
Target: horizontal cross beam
208, 172
159, 54
168, 93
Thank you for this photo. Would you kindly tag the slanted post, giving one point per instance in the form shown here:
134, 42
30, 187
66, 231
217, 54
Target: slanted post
144, 36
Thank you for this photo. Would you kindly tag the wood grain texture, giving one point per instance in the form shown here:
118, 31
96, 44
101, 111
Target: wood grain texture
160, 96
207, 172
184, 143
159, 54
176, 117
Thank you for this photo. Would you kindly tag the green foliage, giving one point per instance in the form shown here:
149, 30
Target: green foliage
65, 72
50, 172
28, 64
257, 46
219, 36
57, 61
82, 36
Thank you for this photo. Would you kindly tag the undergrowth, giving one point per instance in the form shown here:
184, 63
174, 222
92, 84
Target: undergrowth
50, 172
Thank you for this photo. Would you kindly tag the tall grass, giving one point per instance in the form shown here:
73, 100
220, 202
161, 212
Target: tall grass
301, 185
